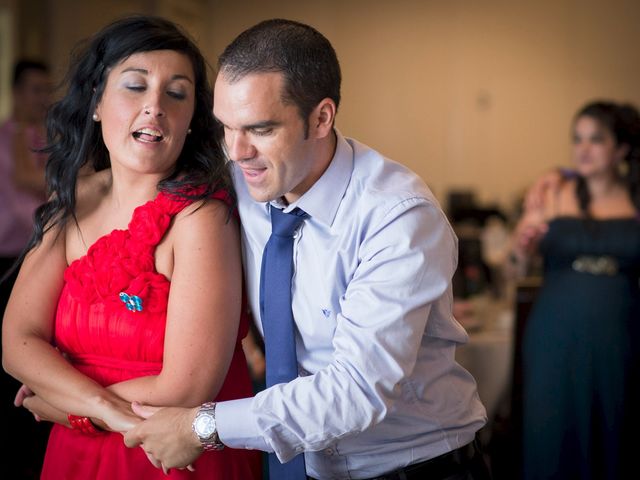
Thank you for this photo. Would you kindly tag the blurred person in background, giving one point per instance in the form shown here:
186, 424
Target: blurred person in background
580, 347
22, 182
22, 187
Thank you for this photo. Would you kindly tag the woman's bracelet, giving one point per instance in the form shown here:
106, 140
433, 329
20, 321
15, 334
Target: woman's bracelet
83, 424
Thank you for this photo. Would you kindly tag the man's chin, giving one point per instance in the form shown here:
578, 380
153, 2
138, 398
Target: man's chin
260, 195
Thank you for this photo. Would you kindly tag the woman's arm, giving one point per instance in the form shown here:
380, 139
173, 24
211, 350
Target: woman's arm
203, 312
27, 332
533, 224
40, 409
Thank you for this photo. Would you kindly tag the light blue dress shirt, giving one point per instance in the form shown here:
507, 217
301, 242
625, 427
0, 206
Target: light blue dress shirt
379, 387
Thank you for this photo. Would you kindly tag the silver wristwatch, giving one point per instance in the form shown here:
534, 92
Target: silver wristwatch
204, 426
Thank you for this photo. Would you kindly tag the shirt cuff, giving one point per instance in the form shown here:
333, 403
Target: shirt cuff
237, 427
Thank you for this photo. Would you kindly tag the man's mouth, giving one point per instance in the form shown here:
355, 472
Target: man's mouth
253, 171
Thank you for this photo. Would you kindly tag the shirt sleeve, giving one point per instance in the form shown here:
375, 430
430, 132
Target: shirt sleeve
406, 261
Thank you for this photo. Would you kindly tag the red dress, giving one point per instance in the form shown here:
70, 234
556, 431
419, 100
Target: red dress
112, 341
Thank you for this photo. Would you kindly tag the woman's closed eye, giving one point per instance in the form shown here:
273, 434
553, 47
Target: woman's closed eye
178, 95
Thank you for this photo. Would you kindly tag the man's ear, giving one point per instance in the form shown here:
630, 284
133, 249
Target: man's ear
322, 119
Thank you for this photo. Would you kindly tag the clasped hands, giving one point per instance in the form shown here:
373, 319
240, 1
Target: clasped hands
164, 434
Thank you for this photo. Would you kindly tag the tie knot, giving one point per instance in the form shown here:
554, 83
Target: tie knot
284, 224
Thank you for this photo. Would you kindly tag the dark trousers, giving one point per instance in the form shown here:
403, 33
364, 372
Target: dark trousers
23, 440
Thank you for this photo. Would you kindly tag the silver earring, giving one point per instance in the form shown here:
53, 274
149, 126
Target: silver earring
188, 131
95, 117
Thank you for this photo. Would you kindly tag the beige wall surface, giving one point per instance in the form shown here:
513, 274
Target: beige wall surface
73, 20
469, 94
7, 49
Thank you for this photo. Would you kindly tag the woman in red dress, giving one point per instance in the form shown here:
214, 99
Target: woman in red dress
131, 288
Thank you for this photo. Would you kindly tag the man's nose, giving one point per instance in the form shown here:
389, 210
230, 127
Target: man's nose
239, 147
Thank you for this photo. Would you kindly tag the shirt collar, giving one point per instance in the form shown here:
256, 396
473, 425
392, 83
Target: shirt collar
322, 200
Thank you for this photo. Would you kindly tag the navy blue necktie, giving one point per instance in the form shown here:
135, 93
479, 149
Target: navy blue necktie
277, 319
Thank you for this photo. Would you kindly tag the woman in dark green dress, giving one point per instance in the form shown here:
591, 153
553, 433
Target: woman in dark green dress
580, 348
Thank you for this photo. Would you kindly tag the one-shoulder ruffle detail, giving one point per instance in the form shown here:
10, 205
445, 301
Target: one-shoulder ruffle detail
123, 260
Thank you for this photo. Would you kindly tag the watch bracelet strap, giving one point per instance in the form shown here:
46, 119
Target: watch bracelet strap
217, 444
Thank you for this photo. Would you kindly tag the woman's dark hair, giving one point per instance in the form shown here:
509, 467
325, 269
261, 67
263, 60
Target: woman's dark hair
303, 55
623, 122
75, 140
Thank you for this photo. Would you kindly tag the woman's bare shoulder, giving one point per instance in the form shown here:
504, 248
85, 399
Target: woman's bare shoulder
210, 211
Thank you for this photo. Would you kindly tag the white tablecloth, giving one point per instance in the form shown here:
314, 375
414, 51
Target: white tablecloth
488, 355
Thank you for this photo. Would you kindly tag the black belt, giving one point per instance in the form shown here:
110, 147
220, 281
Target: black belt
441, 467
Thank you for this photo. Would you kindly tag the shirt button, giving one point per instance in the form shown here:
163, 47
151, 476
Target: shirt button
296, 234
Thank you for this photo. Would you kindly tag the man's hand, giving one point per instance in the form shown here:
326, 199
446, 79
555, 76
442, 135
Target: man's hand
166, 436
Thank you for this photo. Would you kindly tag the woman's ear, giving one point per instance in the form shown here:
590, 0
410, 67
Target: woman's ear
621, 152
96, 113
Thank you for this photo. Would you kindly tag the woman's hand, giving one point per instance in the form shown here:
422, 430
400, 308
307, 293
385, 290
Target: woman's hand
539, 206
531, 228
23, 392
528, 233
41, 410
116, 416
550, 182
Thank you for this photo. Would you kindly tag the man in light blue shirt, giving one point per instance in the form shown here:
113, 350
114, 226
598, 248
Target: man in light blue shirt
378, 392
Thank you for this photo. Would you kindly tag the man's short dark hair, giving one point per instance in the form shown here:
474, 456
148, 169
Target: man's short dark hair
23, 66
303, 55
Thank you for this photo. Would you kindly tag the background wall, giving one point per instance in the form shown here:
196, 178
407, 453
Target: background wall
468, 94
7, 47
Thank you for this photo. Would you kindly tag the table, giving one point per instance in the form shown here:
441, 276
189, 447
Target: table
488, 355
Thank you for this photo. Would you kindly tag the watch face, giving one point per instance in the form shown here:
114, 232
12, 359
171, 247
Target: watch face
205, 425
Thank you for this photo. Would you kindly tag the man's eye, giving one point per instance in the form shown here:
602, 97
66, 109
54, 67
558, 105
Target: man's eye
261, 132
136, 88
